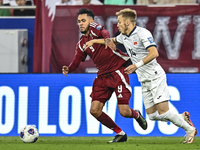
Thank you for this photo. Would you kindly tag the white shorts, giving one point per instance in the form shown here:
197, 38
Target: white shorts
155, 91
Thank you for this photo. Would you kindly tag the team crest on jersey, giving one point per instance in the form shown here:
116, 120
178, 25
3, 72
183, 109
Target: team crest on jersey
99, 27
150, 40
135, 43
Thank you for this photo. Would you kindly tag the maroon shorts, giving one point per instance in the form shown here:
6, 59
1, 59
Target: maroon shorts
117, 81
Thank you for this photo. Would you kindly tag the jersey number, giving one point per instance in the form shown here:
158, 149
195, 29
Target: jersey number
92, 48
120, 88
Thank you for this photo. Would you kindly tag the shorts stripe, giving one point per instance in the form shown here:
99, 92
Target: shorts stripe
124, 80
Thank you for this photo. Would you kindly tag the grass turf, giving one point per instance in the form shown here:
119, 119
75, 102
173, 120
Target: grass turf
98, 143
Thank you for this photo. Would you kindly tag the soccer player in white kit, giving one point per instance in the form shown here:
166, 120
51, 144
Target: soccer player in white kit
142, 50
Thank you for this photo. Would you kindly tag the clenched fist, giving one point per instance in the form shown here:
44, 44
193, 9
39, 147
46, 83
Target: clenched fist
65, 70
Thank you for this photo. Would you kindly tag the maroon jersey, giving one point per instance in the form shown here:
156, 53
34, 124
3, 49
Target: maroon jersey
106, 60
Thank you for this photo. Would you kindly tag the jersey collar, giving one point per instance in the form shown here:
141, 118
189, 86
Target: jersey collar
132, 31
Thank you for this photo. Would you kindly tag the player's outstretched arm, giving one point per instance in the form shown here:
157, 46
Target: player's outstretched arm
108, 42
65, 70
91, 42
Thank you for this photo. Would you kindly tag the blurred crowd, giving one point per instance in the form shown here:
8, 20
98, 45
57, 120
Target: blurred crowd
31, 12
105, 2
125, 2
17, 2
17, 12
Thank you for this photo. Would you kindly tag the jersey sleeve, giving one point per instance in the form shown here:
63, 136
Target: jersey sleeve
98, 31
105, 34
146, 38
80, 55
119, 38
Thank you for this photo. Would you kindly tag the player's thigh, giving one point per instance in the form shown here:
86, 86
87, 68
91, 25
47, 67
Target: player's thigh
100, 91
160, 91
155, 92
148, 98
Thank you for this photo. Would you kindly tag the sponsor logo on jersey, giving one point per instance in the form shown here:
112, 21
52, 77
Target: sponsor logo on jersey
150, 40
98, 27
132, 52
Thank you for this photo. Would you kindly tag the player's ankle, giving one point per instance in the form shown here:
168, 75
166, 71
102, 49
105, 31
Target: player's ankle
121, 133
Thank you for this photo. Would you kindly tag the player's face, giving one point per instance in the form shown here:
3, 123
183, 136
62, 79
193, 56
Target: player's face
122, 27
21, 2
86, 2
83, 23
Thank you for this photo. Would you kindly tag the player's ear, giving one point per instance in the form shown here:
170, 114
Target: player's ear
91, 20
127, 22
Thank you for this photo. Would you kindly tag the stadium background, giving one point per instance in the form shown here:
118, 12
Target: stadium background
59, 105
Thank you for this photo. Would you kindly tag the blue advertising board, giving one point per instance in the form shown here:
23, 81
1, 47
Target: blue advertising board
59, 105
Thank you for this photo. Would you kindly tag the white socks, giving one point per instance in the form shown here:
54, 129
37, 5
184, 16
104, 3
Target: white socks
172, 117
121, 133
155, 116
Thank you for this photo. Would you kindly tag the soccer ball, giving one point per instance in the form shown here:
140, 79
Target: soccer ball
29, 134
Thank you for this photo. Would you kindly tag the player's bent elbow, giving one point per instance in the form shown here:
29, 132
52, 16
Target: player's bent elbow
157, 54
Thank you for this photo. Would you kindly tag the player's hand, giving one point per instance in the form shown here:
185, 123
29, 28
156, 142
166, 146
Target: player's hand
65, 70
109, 43
88, 44
130, 69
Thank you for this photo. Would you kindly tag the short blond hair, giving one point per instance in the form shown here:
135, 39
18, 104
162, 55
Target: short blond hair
128, 13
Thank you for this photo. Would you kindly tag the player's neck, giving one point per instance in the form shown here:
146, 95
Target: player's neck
86, 34
130, 29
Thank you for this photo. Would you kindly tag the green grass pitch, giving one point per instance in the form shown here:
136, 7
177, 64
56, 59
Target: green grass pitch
98, 143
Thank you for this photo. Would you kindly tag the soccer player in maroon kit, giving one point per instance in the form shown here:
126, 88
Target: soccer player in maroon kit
110, 76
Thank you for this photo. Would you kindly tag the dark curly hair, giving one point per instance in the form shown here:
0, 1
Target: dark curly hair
86, 11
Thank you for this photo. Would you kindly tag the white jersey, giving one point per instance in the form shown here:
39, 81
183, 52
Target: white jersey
136, 44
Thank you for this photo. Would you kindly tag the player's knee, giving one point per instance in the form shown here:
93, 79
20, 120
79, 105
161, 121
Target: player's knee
94, 112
